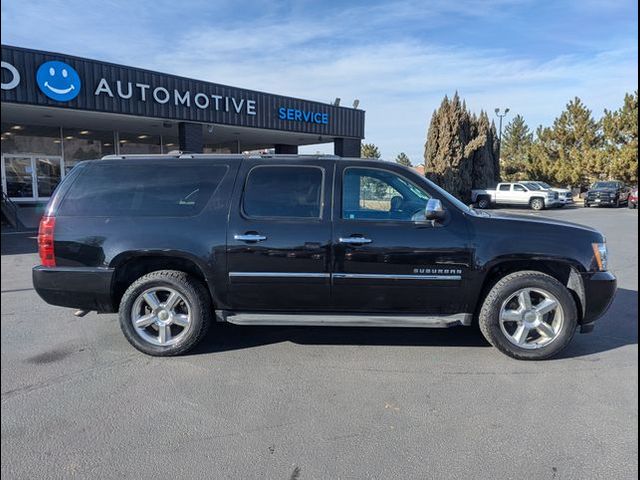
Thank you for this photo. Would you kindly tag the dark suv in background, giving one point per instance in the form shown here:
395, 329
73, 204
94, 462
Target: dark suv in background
610, 194
174, 243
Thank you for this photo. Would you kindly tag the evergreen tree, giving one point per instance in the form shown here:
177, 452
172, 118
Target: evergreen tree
572, 146
461, 149
486, 168
621, 141
369, 150
515, 149
403, 159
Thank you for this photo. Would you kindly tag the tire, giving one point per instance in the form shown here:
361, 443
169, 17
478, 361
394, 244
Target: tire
617, 205
586, 205
496, 331
536, 204
484, 203
193, 306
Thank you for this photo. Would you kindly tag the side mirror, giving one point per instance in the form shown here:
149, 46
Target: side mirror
434, 210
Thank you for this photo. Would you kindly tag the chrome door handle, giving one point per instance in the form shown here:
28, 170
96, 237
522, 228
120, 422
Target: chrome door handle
250, 237
354, 240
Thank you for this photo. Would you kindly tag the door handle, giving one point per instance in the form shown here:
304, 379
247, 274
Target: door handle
354, 240
250, 237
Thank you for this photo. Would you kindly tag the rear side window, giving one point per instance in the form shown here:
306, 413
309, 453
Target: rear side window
145, 189
283, 192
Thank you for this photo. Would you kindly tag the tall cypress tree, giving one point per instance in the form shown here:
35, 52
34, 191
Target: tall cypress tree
461, 149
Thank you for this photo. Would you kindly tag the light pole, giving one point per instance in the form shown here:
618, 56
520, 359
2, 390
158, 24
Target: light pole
500, 116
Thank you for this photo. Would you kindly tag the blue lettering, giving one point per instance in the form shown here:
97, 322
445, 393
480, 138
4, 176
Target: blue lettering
303, 115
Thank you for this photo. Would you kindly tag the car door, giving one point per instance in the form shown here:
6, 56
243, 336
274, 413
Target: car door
278, 240
386, 259
519, 194
503, 193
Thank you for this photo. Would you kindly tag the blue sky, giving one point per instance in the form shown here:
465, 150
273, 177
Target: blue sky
398, 58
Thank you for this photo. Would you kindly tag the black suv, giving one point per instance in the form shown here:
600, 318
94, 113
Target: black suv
174, 243
610, 193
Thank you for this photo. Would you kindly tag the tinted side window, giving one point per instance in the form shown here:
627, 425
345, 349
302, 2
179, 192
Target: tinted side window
146, 189
376, 194
519, 188
505, 188
283, 191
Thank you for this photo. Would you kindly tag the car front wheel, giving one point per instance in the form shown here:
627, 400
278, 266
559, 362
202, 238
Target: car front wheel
165, 313
529, 315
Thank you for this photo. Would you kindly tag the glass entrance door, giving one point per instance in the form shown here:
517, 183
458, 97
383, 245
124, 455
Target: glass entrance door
30, 177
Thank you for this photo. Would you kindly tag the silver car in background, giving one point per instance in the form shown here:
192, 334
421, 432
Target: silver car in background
565, 196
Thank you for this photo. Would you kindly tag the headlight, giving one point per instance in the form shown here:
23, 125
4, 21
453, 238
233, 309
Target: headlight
600, 254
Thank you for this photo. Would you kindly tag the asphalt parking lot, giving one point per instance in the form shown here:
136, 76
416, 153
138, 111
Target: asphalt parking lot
284, 403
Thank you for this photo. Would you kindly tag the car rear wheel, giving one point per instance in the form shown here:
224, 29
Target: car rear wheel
165, 313
484, 202
537, 204
529, 315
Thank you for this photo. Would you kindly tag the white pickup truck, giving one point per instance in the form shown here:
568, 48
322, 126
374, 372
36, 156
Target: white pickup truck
518, 193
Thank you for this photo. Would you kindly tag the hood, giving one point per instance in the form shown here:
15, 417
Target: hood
603, 190
537, 220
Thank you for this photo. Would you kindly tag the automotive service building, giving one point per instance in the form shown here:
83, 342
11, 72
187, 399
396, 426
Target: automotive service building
58, 110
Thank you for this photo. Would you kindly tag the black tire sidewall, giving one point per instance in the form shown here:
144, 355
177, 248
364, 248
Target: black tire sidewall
190, 288
490, 313
484, 201
538, 202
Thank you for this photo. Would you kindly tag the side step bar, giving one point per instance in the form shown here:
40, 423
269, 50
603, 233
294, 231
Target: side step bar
356, 320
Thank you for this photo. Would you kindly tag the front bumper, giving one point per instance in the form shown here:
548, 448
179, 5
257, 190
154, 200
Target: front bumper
75, 287
599, 291
607, 201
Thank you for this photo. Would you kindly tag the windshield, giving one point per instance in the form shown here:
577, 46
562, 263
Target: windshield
449, 197
544, 185
532, 186
605, 185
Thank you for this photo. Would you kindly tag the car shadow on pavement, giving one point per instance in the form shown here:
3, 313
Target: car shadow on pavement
616, 329
19, 243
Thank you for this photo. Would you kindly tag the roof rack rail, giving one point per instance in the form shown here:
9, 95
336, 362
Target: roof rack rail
177, 154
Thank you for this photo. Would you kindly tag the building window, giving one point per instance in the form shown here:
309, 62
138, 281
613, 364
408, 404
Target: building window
84, 144
138, 143
169, 143
21, 138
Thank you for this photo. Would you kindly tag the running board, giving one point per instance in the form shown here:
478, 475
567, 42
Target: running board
356, 320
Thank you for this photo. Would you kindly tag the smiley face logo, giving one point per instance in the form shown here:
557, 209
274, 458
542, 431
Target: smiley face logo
58, 81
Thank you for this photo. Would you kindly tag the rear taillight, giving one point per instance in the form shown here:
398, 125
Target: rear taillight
45, 241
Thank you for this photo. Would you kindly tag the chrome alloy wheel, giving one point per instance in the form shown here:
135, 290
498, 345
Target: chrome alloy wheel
161, 316
531, 318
